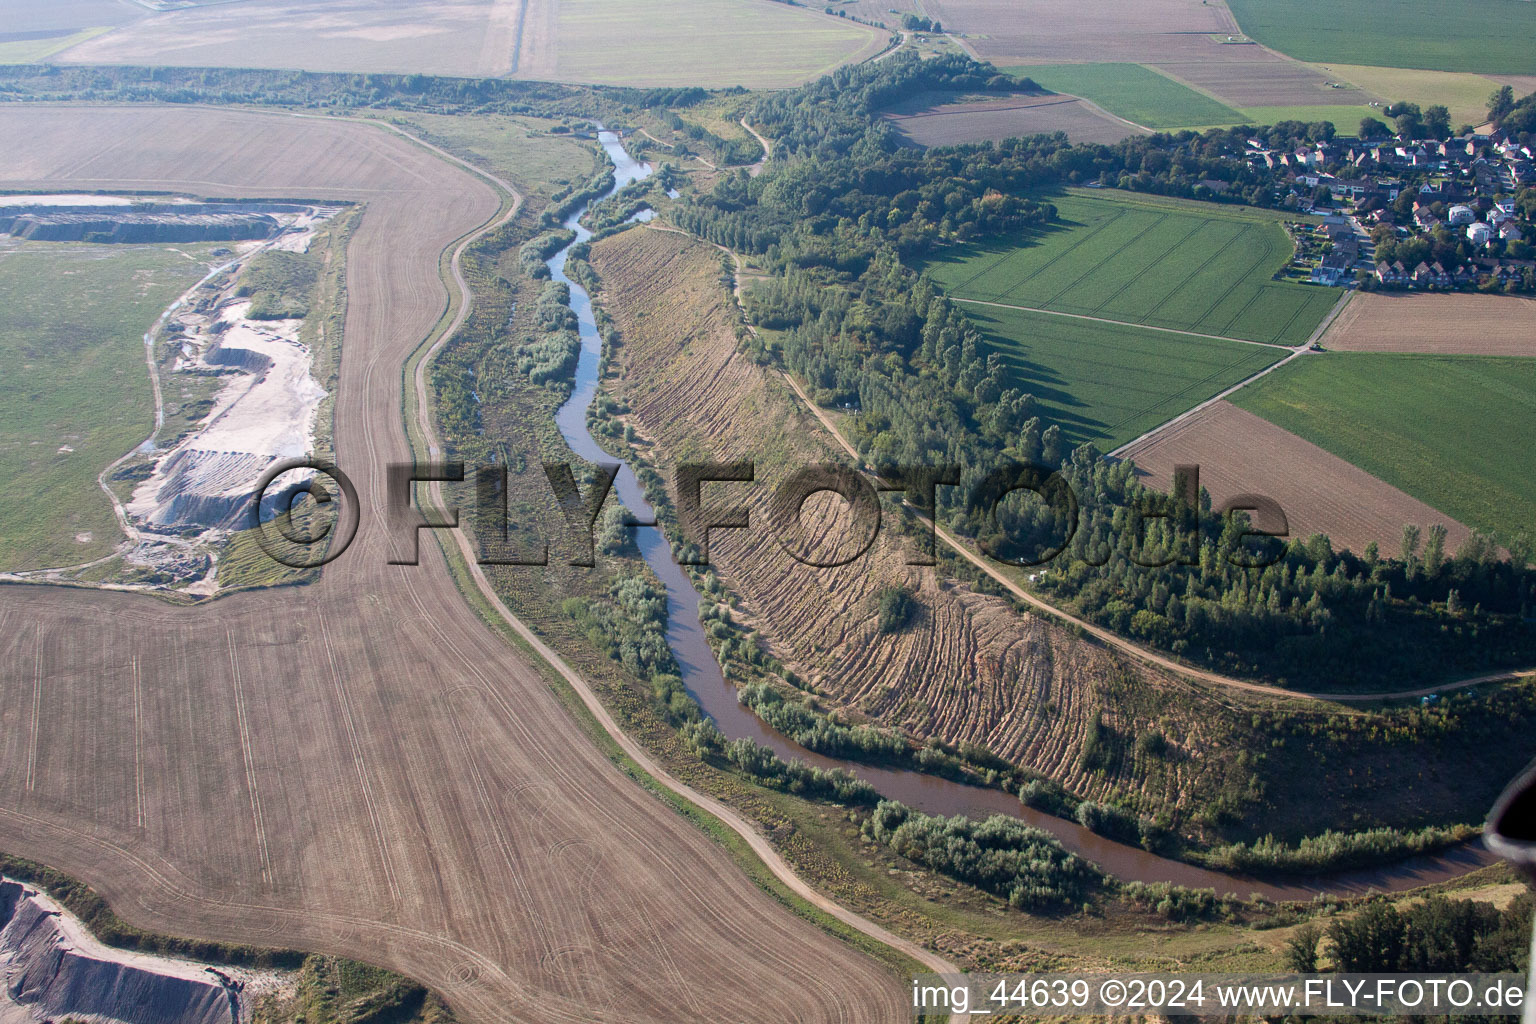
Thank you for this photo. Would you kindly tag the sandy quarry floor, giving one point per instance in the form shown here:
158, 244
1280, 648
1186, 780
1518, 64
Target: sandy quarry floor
260, 416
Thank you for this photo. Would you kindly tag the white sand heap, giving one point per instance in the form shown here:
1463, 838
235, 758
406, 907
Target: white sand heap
264, 414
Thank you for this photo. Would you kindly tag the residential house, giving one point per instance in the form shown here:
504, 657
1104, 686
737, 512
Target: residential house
1510, 232
1425, 276
1391, 275
1479, 233
1332, 270
1354, 189
1461, 214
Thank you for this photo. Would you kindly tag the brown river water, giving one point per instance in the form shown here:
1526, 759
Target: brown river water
930, 794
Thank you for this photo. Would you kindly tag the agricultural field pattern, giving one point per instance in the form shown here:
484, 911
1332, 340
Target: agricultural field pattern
1182, 267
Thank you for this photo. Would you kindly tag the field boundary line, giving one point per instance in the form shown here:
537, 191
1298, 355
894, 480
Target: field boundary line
37, 706
1327, 321
359, 761
1121, 323
756, 841
242, 723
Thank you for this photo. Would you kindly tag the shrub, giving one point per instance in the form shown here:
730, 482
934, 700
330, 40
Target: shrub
1111, 822
896, 608
1001, 855
1334, 851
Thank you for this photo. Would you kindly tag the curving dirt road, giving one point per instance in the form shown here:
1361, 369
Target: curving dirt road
1136, 650
632, 749
361, 766
1114, 640
757, 168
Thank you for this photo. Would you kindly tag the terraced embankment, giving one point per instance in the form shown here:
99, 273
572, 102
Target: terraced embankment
968, 668
361, 766
971, 669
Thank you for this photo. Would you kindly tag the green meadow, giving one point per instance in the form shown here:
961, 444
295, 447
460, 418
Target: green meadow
1187, 266
1134, 92
1490, 36
75, 387
1109, 383
1453, 431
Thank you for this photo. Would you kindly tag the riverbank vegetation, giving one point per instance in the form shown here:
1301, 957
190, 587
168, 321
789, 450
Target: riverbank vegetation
835, 229
512, 423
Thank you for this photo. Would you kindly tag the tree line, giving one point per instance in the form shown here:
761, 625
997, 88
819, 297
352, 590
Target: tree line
836, 222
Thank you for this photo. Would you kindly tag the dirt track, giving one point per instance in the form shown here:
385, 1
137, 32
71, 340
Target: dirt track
360, 766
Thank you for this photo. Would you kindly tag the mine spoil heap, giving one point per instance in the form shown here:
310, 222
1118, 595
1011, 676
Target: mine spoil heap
46, 978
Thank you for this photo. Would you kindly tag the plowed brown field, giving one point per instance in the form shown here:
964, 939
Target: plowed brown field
1045, 31
969, 667
1184, 38
1449, 324
360, 766
1247, 76
1240, 453
951, 123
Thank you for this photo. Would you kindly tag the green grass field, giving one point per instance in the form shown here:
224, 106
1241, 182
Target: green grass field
1145, 260
1108, 383
74, 387
1491, 36
709, 43
1453, 431
1134, 92
519, 149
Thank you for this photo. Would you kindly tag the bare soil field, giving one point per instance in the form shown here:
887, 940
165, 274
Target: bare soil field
759, 44
1259, 78
951, 123
712, 43
1240, 453
1050, 31
1523, 85
1185, 39
63, 16
360, 766
1448, 324
446, 37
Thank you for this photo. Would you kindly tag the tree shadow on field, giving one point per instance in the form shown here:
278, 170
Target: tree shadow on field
1011, 241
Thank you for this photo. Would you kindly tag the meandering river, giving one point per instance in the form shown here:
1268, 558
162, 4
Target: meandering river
703, 679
